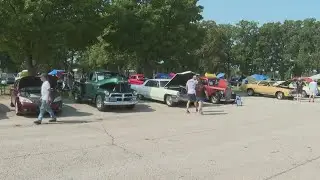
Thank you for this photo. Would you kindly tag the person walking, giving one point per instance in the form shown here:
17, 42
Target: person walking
201, 95
299, 87
191, 90
45, 100
313, 87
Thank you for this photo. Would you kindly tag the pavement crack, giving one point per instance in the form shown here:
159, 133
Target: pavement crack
292, 168
113, 143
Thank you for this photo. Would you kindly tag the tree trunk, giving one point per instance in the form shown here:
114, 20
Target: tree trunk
30, 66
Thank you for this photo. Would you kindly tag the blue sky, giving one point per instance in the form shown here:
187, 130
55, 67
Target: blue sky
232, 11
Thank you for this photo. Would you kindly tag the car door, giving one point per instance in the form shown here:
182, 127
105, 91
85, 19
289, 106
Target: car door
146, 89
89, 85
157, 92
261, 88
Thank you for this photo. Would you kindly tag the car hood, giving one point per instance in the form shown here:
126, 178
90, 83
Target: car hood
180, 79
116, 80
35, 81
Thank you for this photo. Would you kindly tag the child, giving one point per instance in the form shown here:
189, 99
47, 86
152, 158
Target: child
238, 100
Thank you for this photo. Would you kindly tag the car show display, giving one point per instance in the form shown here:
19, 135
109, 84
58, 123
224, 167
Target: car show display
105, 89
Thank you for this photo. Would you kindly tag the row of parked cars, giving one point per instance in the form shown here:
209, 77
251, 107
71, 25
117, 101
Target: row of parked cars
108, 89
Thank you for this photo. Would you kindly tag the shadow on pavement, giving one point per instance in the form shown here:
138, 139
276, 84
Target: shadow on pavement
67, 122
138, 108
3, 111
68, 111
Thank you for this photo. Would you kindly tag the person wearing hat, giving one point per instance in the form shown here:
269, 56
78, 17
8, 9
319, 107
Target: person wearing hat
45, 100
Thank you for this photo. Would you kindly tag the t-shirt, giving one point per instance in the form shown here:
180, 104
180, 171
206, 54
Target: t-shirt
200, 91
45, 90
191, 85
313, 86
299, 85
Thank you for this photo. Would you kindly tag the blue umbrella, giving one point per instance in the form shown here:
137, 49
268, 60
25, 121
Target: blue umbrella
220, 75
55, 72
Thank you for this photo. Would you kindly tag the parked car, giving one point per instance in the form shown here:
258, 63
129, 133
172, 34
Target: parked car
26, 93
169, 91
280, 91
105, 89
136, 79
7, 78
218, 90
292, 85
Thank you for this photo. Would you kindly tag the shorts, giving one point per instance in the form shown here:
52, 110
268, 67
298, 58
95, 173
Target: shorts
192, 97
201, 99
299, 91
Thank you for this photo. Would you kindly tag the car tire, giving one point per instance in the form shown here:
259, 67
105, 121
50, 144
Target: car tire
99, 103
130, 106
279, 95
17, 109
250, 92
215, 99
168, 100
140, 97
304, 94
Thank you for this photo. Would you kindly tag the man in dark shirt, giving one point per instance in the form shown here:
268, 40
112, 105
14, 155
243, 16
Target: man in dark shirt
299, 89
201, 95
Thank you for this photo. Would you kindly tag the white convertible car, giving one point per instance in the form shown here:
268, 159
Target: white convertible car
170, 91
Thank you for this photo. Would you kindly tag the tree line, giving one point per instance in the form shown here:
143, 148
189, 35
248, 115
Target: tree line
148, 36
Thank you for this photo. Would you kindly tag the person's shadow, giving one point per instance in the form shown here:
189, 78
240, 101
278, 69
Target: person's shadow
4, 110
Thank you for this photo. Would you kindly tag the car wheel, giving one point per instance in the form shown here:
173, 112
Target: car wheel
304, 94
99, 103
130, 106
169, 101
214, 99
139, 96
279, 95
250, 92
17, 109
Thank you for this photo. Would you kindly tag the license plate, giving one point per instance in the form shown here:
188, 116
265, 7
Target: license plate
113, 99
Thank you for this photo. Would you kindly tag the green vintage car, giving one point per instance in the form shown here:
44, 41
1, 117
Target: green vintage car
105, 89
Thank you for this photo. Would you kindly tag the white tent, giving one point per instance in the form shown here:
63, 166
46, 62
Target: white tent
315, 77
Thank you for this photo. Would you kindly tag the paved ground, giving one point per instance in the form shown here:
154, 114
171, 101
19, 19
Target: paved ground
264, 139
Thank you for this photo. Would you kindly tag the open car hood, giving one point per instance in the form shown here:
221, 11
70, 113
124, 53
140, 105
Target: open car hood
180, 79
35, 81
115, 80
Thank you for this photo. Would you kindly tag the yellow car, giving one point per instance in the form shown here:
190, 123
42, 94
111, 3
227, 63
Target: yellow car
280, 91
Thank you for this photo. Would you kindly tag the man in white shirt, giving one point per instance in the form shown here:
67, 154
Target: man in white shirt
313, 87
45, 100
191, 89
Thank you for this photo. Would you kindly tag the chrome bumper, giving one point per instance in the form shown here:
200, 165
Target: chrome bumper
120, 103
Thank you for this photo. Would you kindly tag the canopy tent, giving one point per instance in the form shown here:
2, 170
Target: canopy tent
162, 76
315, 77
307, 79
220, 75
56, 72
259, 77
172, 74
208, 75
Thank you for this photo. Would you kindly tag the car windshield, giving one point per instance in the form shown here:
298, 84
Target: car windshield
107, 75
163, 83
212, 82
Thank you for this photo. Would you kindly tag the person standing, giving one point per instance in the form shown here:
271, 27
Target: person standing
201, 95
313, 87
299, 86
45, 100
191, 90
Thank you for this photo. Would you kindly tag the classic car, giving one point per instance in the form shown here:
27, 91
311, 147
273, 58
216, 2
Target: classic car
280, 91
218, 90
170, 91
292, 84
105, 89
26, 93
136, 79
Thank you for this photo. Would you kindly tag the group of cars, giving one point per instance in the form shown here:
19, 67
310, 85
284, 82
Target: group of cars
106, 89
278, 89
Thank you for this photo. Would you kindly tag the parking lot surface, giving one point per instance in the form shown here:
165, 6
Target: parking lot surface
264, 139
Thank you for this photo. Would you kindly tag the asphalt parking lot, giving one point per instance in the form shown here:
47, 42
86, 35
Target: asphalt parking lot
264, 139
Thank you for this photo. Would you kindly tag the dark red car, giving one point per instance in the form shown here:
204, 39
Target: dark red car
26, 93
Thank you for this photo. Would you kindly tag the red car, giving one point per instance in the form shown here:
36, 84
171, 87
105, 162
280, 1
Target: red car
137, 79
26, 93
218, 90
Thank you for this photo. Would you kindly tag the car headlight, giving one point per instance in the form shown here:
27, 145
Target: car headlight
134, 93
106, 93
25, 100
57, 99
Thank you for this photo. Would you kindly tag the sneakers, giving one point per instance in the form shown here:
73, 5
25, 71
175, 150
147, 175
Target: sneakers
188, 112
53, 120
37, 122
